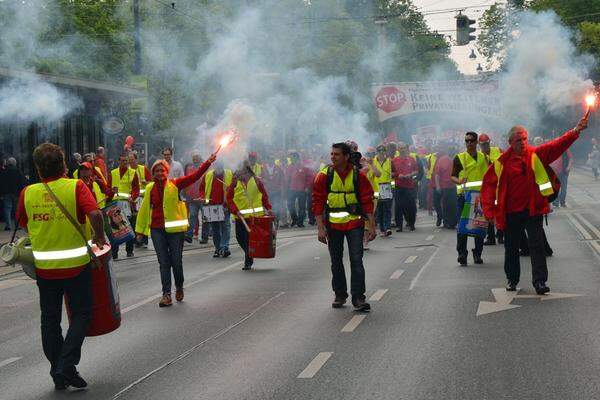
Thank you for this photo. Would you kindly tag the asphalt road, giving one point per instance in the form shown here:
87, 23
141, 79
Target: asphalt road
271, 333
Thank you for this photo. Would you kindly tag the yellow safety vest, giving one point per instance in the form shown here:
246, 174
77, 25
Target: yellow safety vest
141, 173
208, 181
55, 242
386, 170
374, 184
248, 199
100, 196
495, 154
174, 210
539, 171
257, 169
123, 184
341, 194
472, 170
431, 160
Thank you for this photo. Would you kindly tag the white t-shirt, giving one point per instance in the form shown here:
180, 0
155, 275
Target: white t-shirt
175, 170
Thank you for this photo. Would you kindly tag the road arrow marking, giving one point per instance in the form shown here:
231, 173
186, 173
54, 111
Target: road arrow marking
504, 299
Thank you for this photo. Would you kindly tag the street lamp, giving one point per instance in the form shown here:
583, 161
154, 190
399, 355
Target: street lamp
472, 56
479, 69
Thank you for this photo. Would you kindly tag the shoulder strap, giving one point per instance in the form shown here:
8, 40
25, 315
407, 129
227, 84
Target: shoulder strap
77, 227
329, 178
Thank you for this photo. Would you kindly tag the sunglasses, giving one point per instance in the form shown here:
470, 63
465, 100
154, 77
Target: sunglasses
470, 140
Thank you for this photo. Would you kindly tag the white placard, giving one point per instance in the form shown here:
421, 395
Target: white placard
214, 213
385, 191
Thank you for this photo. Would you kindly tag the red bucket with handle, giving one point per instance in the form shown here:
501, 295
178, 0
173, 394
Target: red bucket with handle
106, 309
262, 238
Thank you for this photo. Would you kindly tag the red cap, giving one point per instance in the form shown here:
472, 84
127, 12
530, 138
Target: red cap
483, 138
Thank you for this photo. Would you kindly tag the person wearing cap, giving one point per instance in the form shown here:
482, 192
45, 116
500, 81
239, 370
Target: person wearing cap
246, 197
163, 217
125, 184
492, 153
467, 173
383, 211
515, 194
92, 178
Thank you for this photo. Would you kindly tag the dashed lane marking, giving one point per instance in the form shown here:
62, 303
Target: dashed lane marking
430, 237
9, 361
410, 260
397, 274
378, 295
353, 323
416, 278
315, 365
199, 345
192, 283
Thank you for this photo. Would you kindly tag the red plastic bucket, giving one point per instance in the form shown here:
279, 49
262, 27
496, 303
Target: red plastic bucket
262, 238
106, 309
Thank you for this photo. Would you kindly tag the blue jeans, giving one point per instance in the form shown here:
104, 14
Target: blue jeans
9, 207
354, 237
194, 213
221, 232
169, 251
384, 214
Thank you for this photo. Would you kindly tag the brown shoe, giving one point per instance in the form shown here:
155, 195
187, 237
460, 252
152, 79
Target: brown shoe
338, 302
165, 301
179, 294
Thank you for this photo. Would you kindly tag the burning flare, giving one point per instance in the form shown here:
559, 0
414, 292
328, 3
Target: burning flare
225, 140
590, 100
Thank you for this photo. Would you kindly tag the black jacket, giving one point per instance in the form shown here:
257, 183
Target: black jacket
12, 181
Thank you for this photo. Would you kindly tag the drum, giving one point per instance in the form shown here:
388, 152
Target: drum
116, 224
385, 191
106, 309
472, 222
262, 237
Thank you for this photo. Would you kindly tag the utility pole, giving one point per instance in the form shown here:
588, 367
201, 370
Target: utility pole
381, 23
137, 65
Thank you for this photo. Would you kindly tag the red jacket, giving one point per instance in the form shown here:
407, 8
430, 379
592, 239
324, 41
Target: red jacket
297, 176
275, 179
538, 205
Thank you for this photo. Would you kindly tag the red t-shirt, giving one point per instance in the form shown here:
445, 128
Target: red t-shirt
443, 169
86, 203
516, 175
365, 191
158, 191
297, 177
404, 166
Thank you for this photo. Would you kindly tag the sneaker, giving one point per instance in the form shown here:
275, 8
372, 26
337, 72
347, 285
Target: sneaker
225, 253
388, 232
216, 254
179, 294
462, 260
411, 228
477, 258
188, 239
75, 380
438, 222
399, 229
361, 305
339, 301
248, 264
203, 241
130, 254
165, 301
541, 288
511, 286
59, 382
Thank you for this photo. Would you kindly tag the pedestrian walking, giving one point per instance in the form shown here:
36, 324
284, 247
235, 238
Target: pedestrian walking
246, 198
594, 161
492, 153
383, 163
194, 203
342, 198
467, 173
126, 189
144, 176
213, 188
297, 186
274, 180
444, 195
514, 194
62, 263
12, 182
405, 170
163, 217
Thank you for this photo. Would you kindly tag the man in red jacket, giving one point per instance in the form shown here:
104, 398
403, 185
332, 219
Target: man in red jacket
514, 194
296, 176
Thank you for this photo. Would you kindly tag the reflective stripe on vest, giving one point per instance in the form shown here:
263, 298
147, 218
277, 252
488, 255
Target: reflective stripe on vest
174, 211
248, 198
340, 195
539, 172
123, 184
473, 170
55, 242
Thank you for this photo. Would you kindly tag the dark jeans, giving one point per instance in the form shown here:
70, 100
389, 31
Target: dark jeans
169, 251
449, 207
384, 214
311, 217
9, 207
515, 224
491, 232
354, 238
64, 353
406, 206
300, 197
562, 195
241, 235
461, 239
221, 232
130, 243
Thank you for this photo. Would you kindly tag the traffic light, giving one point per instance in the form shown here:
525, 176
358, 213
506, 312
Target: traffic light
464, 30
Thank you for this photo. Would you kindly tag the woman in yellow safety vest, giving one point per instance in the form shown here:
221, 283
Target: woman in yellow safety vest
163, 217
246, 197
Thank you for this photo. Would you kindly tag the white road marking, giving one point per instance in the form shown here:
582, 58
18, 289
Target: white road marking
504, 300
587, 223
579, 228
9, 361
192, 283
194, 348
430, 237
437, 230
378, 295
397, 274
416, 278
596, 246
315, 365
410, 260
353, 323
